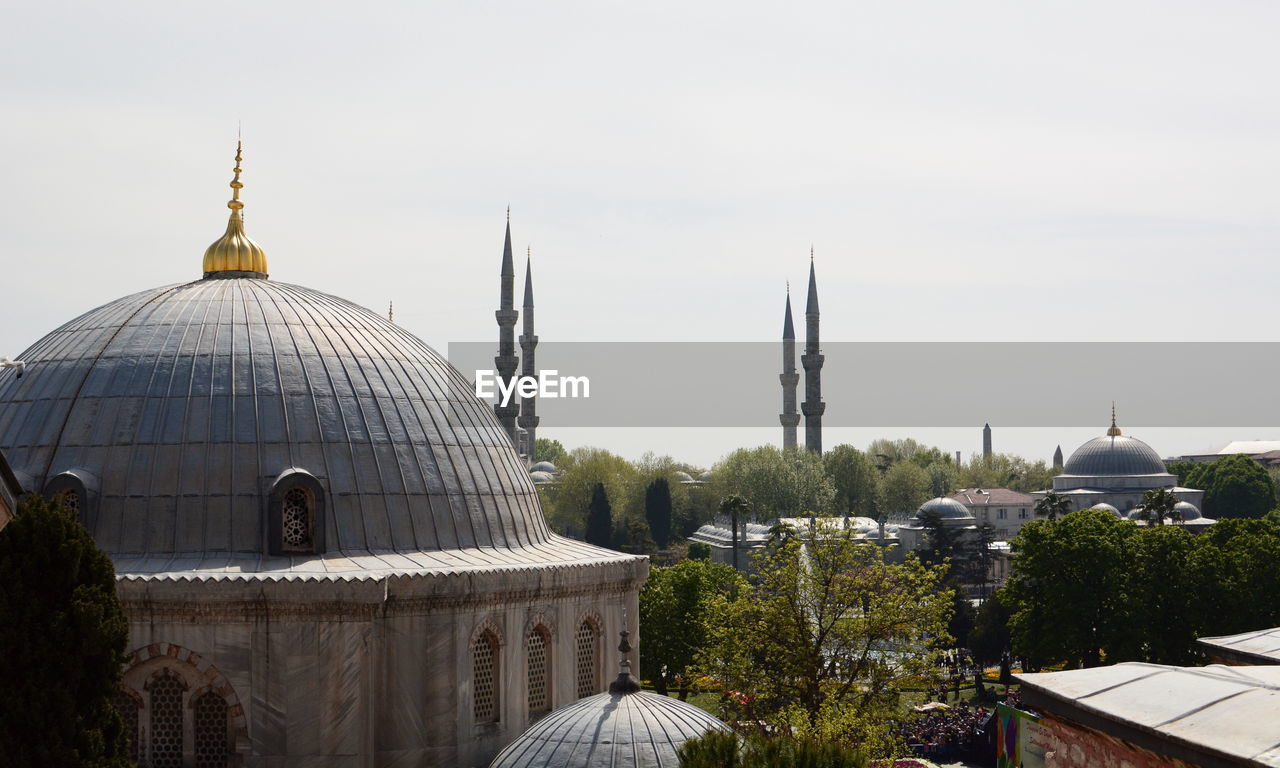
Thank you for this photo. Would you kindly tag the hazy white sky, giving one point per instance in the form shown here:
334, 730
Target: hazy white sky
1051, 170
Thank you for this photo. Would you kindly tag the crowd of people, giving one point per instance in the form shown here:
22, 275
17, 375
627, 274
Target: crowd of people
946, 732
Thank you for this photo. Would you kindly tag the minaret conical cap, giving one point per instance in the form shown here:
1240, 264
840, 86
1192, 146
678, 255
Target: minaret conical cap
235, 254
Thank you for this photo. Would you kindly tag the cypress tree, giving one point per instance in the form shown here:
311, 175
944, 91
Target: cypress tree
599, 518
62, 643
657, 510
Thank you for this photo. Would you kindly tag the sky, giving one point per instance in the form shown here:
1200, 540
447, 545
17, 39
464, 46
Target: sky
992, 171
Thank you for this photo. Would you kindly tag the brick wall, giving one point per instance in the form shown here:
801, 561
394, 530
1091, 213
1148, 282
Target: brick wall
1068, 745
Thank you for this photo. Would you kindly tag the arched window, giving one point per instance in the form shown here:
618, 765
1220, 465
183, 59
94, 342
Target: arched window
588, 675
537, 648
127, 704
211, 747
484, 669
76, 490
296, 514
166, 720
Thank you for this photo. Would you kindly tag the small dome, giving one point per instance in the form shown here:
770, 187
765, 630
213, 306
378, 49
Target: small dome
541, 477
949, 509
624, 728
543, 466
1113, 455
705, 477
682, 477
1187, 511
1105, 507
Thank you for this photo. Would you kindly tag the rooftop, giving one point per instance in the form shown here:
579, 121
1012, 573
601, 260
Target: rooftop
1261, 646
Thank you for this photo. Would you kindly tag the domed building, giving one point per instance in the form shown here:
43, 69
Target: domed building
624, 728
1115, 471
951, 514
327, 548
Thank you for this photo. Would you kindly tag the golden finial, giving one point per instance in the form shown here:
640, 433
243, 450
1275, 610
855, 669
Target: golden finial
1114, 431
235, 254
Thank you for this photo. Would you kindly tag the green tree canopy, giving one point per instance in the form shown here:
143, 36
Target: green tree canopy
855, 480
549, 450
62, 643
1002, 470
1234, 486
718, 749
657, 511
826, 636
674, 606
777, 483
904, 488
583, 469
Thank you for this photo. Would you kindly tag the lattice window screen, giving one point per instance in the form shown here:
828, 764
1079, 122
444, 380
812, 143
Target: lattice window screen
127, 706
539, 672
71, 500
588, 679
212, 749
166, 723
295, 520
484, 660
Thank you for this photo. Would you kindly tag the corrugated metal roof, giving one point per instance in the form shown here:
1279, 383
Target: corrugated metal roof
1262, 643
1223, 712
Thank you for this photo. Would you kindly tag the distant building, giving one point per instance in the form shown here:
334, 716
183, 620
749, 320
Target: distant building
1114, 472
1265, 452
1004, 509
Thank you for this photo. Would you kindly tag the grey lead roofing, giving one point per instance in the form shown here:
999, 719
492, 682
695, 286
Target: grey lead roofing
187, 401
1119, 455
610, 730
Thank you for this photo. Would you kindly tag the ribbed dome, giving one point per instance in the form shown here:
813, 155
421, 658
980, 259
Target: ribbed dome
610, 730
186, 402
949, 509
1112, 455
1187, 511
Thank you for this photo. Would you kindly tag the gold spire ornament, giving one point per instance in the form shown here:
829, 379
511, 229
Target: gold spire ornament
235, 254
1114, 431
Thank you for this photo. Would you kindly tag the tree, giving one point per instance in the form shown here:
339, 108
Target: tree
631, 534
549, 450
583, 469
1067, 589
942, 478
1157, 504
1004, 470
736, 509
699, 550
62, 643
600, 518
1166, 596
1234, 486
718, 749
904, 488
657, 511
674, 604
826, 636
990, 639
854, 477
777, 483
1052, 505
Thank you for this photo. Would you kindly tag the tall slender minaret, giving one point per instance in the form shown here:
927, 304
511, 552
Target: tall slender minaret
986, 441
528, 406
789, 379
1057, 458
812, 407
505, 362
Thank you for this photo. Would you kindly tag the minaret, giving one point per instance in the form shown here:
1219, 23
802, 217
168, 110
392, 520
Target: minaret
528, 406
506, 361
1057, 458
986, 441
789, 379
812, 407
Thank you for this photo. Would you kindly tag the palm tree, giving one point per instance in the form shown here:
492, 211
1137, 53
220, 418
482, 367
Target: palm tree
1157, 505
1052, 505
733, 505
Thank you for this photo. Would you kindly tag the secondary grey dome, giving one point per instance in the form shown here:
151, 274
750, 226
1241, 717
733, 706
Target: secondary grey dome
682, 477
948, 509
1112, 455
610, 730
543, 466
1187, 511
1105, 507
179, 407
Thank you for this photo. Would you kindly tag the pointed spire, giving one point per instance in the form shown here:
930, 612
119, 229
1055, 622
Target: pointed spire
811, 307
391, 311
508, 267
788, 328
1114, 431
528, 278
235, 254
624, 683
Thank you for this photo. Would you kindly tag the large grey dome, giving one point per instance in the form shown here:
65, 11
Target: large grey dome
947, 509
178, 407
1112, 455
610, 730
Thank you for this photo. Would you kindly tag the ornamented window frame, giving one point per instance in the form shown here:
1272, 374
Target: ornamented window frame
539, 624
293, 480
85, 486
593, 620
487, 631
